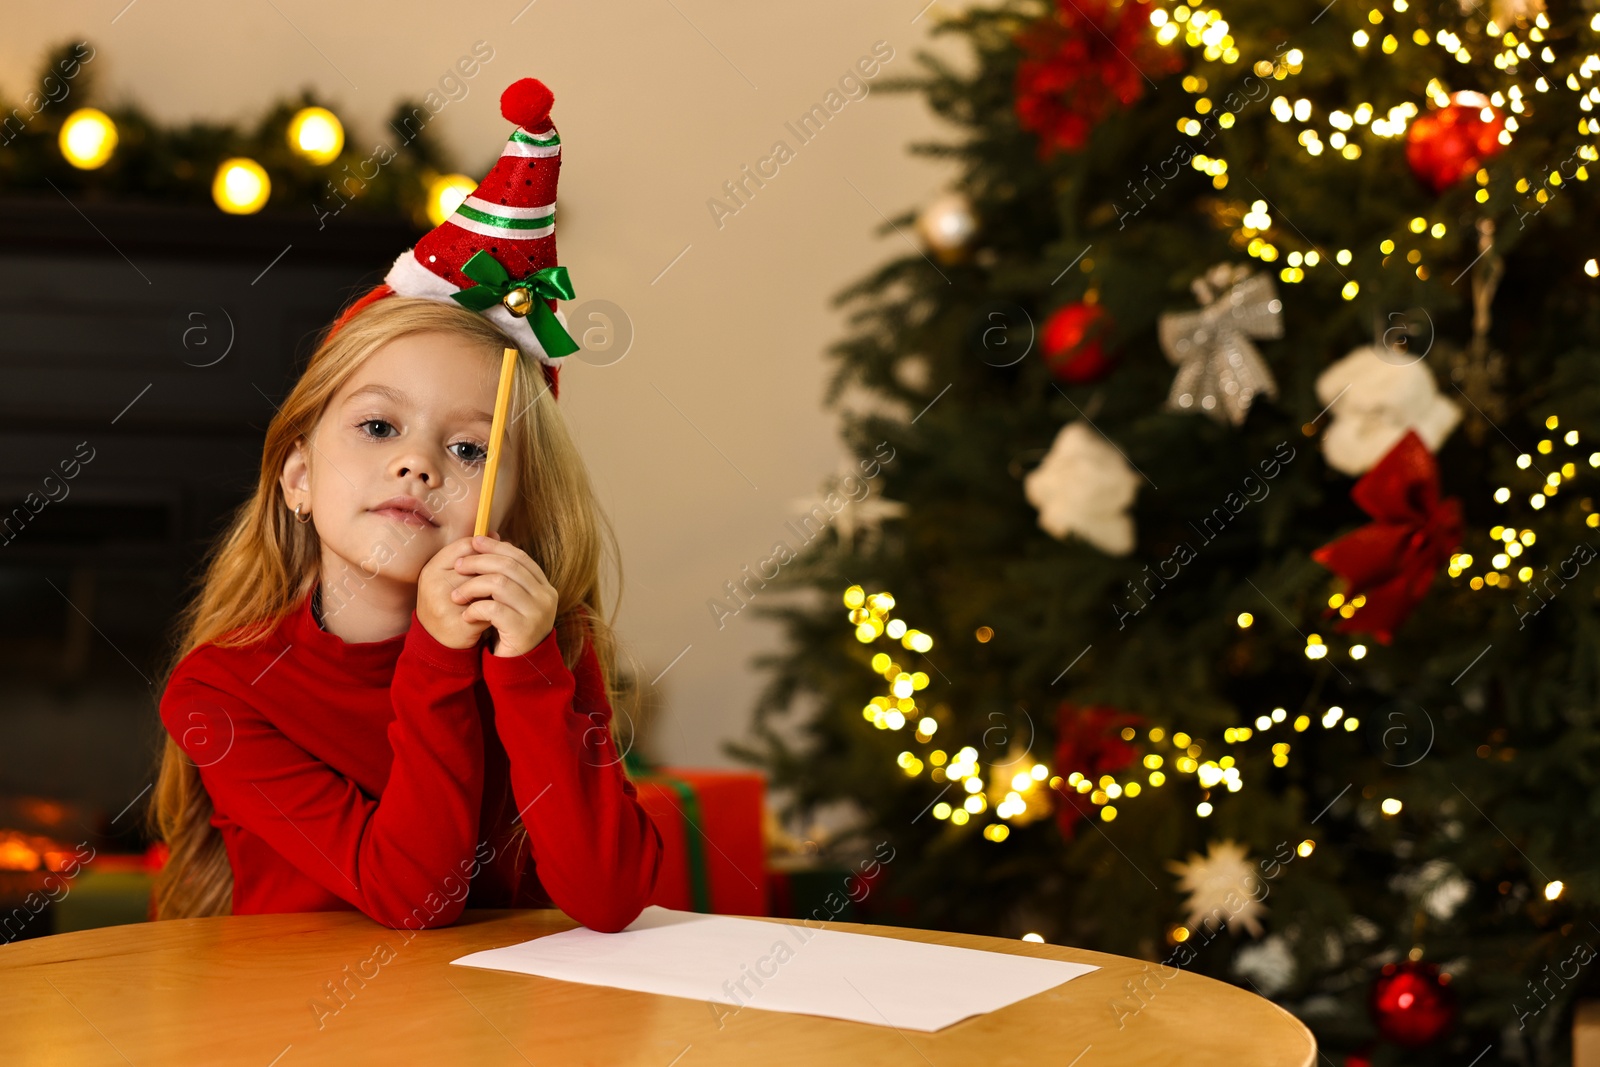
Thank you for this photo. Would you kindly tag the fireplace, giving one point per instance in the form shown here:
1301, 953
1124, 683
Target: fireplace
142, 350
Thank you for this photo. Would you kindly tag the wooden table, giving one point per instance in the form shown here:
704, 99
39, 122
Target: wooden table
336, 988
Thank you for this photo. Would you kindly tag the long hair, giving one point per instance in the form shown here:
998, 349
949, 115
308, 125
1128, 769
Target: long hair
266, 562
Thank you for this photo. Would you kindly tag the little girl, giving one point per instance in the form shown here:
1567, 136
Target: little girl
373, 709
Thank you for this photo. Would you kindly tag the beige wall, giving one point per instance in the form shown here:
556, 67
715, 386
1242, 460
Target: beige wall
659, 102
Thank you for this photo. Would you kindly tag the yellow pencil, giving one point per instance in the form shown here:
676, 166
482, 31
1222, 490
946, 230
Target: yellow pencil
497, 432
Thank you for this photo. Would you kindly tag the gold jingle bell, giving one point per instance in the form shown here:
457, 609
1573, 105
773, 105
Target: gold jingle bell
519, 302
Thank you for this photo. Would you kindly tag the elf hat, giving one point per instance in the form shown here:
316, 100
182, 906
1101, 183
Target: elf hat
497, 253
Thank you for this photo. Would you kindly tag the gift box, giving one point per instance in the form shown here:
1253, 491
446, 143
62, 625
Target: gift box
105, 898
113, 889
710, 821
801, 888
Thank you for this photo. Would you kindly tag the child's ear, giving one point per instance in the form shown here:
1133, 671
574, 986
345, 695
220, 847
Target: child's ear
295, 479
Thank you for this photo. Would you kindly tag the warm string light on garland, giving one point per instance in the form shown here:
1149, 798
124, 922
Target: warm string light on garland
1017, 790
1204, 28
88, 138
317, 134
241, 186
1506, 563
1316, 648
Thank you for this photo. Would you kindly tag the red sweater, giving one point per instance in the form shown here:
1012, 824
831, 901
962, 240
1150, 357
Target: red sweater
384, 776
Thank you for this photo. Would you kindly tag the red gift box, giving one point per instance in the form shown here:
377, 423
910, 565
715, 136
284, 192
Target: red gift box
713, 858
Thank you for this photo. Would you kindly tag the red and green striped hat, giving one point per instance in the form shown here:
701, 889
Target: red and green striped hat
497, 253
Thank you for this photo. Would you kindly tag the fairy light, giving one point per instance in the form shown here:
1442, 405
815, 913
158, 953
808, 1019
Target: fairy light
1511, 542
445, 194
87, 139
316, 134
241, 186
1016, 794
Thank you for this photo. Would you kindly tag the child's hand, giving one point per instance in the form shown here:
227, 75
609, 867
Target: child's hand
509, 591
440, 613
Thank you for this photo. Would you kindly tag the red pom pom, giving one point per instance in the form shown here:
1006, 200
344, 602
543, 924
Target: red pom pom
526, 102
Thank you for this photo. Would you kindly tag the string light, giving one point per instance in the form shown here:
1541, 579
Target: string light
317, 134
1512, 542
241, 186
1016, 792
445, 194
88, 138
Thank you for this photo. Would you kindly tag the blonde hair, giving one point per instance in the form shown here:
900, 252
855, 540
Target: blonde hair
267, 563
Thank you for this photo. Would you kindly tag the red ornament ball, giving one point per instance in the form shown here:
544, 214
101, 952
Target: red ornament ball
1412, 1003
1072, 343
1452, 142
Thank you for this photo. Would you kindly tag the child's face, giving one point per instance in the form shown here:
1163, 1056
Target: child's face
392, 471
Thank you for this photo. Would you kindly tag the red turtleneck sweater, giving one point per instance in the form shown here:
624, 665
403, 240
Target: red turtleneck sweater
384, 776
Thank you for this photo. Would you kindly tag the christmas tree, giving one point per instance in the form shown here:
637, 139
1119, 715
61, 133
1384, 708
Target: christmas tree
1228, 601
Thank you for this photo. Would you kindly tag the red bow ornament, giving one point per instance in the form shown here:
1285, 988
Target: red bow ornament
1082, 62
1089, 740
1393, 559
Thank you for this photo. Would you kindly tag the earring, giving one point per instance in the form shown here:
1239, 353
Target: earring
299, 517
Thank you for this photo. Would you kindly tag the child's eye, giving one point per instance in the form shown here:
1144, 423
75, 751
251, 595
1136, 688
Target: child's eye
377, 428
476, 455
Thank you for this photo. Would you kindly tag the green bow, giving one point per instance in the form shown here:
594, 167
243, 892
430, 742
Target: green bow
493, 285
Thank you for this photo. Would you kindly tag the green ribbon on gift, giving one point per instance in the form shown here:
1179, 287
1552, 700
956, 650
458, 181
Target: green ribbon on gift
694, 836
494, 283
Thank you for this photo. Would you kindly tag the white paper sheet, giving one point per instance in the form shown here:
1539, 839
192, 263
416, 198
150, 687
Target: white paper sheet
739, 963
